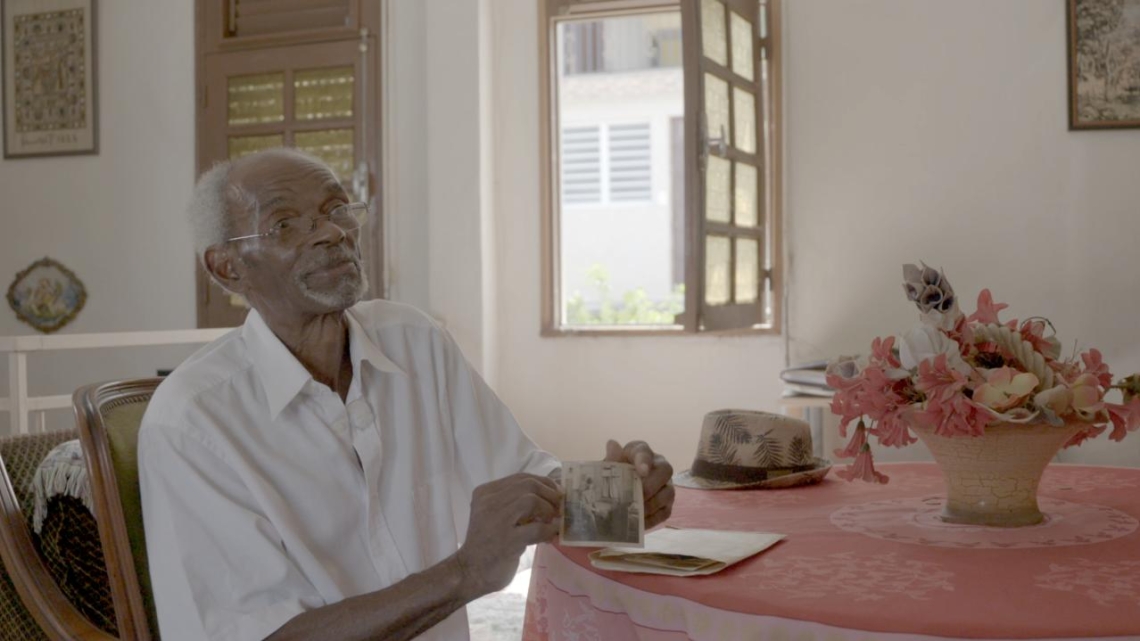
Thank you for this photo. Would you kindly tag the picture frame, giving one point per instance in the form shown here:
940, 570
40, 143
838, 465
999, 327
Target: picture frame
49, 77
1104, 64
602, 505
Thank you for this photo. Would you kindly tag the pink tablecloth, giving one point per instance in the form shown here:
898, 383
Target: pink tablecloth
864, 558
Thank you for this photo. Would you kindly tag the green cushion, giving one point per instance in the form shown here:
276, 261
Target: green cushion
122, 423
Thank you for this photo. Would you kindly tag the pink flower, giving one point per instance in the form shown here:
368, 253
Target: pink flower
1033, 331
958, 417
1125, 418
863, 469
1004, 388
987, 313
855, 445
1091, 431
893, 431
938, 381
882, 352
846, 408
1097, 367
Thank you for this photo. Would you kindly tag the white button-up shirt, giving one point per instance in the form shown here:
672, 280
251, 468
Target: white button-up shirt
264, 495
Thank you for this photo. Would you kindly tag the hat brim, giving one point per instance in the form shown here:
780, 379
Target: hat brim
820, 468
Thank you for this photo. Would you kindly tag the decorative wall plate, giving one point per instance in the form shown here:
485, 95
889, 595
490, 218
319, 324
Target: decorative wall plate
47, 295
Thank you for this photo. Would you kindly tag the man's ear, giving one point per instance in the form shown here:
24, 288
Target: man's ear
225, 268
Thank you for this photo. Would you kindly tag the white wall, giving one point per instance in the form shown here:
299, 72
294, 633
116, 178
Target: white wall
914, 131
938, 132
115, 218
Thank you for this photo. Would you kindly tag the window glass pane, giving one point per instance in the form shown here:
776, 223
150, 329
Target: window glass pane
717, 190
716, 270
239, 146
747, 270
334, 146
745, 210
741, 45
714, 39
256, 99
620, 143
744, 134
320, 94
716, 107
620, 44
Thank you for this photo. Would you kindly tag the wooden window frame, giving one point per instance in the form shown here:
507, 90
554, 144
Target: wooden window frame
694, 320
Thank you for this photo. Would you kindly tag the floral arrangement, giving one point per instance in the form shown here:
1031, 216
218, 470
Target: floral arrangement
960, 373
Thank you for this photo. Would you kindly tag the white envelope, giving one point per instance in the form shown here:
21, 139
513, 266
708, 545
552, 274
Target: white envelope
685, 552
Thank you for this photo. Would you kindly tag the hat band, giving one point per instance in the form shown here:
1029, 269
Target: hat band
741, 473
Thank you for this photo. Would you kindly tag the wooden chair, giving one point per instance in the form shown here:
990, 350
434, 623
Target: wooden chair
42, 611
109, 416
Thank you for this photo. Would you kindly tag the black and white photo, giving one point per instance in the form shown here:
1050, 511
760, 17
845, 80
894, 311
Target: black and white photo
602, 505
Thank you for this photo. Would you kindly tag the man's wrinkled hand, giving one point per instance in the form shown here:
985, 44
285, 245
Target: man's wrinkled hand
656, 478
507, 515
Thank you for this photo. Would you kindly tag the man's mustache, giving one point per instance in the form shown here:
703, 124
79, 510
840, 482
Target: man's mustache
332, 257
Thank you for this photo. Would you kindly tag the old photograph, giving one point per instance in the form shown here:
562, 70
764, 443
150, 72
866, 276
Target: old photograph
602, 505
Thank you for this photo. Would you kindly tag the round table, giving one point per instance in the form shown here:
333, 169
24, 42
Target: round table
862, 558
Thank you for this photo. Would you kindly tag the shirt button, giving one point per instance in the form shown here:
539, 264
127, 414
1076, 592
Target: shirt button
360, 414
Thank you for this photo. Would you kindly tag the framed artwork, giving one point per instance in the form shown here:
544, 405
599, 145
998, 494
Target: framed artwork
1104, 64
46, 295
49, 77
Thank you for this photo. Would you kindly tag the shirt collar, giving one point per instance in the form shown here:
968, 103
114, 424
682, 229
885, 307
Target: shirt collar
281, 373
362, 349
284, 376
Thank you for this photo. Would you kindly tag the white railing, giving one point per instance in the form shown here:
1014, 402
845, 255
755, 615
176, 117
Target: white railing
20, 406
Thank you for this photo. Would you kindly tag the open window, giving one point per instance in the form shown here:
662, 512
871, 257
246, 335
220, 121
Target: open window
661, 208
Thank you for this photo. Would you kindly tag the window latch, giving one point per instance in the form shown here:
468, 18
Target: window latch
718, 145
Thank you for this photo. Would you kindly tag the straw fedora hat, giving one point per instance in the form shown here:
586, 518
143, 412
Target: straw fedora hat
746, 449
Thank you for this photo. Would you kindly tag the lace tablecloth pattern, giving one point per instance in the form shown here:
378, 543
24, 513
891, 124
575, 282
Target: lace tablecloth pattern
865, 561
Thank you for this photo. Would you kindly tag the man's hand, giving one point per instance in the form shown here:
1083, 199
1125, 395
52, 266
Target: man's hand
656, 478
507, 515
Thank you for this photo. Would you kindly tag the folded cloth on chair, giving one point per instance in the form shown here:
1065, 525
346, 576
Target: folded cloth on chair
62, 472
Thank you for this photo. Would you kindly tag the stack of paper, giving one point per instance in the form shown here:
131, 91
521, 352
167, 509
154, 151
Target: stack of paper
808, 379
684, 552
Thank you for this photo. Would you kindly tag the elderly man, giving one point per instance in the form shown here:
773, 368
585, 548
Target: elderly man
334, 469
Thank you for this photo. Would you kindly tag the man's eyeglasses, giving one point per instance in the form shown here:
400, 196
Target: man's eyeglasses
349, 217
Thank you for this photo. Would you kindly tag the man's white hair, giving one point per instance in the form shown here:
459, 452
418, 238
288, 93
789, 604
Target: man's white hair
208, 211
215, 199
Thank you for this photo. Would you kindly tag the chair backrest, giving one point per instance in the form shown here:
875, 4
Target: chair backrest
41, 609
109, 416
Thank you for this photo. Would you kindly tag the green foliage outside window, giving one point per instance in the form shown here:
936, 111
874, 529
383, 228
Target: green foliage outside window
633, 307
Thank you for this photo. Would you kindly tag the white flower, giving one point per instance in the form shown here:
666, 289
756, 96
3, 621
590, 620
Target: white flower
924, 343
